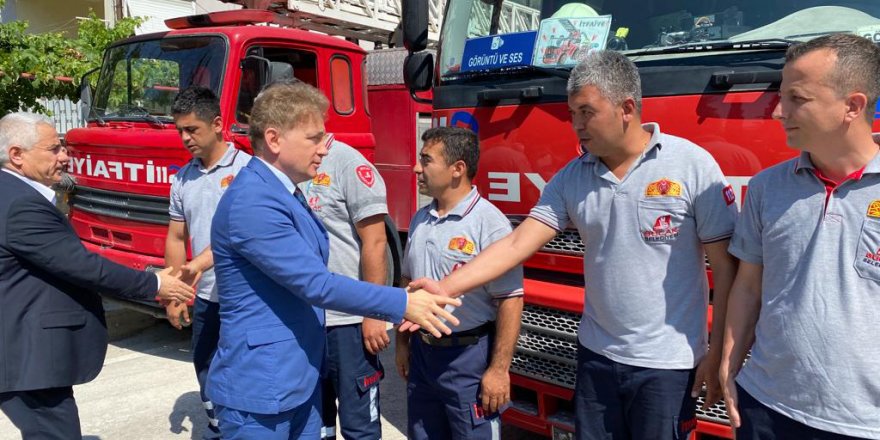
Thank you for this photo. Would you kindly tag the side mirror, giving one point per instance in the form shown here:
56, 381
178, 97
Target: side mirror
260, 66
418, 71
86, 94
415, 24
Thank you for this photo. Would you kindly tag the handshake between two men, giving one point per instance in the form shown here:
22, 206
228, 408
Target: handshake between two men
423, 309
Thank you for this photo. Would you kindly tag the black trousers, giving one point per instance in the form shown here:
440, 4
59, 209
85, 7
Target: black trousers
48, 414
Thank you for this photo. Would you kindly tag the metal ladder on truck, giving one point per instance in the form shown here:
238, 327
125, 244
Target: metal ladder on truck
369, 20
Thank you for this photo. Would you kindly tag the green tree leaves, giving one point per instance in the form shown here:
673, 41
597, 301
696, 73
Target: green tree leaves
49, 65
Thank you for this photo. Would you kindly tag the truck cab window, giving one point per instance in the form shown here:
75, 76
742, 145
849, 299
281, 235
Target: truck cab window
285, 63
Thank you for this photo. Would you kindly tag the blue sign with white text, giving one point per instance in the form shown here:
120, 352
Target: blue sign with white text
497, 51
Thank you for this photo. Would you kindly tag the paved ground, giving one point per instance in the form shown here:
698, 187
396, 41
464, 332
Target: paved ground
148, 390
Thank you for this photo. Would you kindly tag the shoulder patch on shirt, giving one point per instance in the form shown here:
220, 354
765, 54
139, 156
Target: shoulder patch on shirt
729, 195
462, 244
322, 179
874, 209
224, 182
365, 174
663, 188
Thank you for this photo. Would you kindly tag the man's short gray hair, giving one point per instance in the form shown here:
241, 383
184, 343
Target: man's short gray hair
19, 129
616, 77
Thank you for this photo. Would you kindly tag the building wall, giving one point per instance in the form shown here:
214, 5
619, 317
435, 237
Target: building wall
51, 15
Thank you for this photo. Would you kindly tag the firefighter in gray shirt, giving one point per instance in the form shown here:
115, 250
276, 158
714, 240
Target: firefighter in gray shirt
807, 294
639, 198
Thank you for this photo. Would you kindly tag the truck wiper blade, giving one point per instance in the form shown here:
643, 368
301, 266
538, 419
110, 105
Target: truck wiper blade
561, 72
721, 45
93, 114
150, 118
142, 113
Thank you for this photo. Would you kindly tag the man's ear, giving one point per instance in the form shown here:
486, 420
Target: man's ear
629, 109
459, 169
217, 125
272, 137
16, 155
856, 106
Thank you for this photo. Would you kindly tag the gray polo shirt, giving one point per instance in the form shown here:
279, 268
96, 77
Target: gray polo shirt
646, 292
346, 190
195, 192
816, 349
439, 245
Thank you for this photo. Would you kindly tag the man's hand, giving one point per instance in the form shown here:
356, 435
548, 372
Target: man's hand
174, 310
426, 310
190, 274
401, 358
495, 390
730, 396
375, 335
431, 286
173, 289
707, 373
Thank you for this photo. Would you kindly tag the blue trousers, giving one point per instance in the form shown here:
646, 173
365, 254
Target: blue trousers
443, 392
351, 376
762, 423
614, 401
205, 335
300, 423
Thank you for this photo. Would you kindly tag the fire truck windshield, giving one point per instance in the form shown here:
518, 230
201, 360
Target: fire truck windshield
139, 80
553, 33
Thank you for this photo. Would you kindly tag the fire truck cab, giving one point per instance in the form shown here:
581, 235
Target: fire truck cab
710, 73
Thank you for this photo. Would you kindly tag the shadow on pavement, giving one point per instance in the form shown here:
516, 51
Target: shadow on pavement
188, 406
160, 339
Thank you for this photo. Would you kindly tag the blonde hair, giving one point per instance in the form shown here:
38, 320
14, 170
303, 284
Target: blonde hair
283, 105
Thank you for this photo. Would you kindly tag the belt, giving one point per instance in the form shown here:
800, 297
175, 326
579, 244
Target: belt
458, 339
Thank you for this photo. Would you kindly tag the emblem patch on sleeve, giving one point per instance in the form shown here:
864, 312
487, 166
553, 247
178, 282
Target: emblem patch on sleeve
729, 195
365, 174
663, 188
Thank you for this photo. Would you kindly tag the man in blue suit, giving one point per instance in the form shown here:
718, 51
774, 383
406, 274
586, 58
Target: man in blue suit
270, 255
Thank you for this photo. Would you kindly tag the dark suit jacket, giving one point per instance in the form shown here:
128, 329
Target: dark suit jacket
52, 327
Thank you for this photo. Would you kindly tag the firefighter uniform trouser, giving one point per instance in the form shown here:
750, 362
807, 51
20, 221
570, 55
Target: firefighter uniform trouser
205, 336
618, 401
762, 423
443, 392
351, 376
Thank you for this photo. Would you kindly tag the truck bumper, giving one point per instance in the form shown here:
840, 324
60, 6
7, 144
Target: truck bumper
134, 261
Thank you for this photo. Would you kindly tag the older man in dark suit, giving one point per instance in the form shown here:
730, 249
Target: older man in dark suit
52, 329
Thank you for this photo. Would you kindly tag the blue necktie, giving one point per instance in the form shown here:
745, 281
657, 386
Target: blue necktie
302, 199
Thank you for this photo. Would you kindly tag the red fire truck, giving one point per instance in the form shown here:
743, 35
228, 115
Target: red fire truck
123, 159
710, 72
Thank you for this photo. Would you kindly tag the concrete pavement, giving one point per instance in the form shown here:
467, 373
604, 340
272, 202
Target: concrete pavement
148, 390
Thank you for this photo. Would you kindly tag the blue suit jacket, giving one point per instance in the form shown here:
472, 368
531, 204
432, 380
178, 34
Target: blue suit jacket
270, 260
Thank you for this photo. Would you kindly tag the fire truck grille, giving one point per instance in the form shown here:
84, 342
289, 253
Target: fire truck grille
567, 242
547, 351
135, 207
